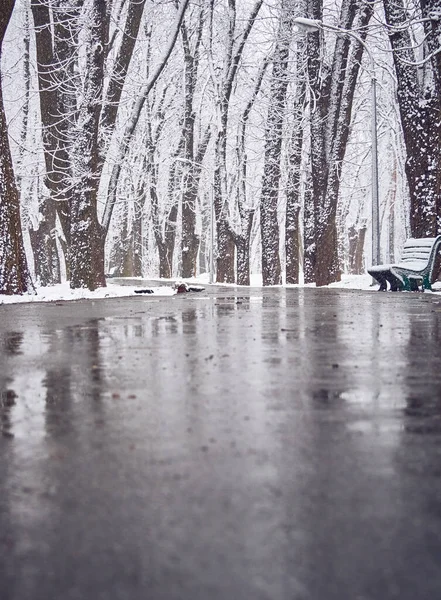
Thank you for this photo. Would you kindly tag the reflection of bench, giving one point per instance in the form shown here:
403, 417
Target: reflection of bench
416, 266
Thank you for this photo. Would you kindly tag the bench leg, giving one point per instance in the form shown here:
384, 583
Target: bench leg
426, 285
395, 283
412, 284
381, 280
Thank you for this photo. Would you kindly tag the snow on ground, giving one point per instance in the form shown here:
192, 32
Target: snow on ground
62, 291
126, 287
355, 282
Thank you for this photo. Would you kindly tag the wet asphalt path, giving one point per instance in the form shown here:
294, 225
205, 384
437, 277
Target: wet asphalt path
282, 444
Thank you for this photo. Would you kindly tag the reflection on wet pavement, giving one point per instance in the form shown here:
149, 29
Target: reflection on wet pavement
244, 444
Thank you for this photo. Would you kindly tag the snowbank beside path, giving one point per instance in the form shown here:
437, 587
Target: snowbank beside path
121, 288
62, 291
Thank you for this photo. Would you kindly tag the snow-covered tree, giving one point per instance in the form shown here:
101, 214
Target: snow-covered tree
332, 89
223, 79
14, 273
414, 31
269, 225
78, 115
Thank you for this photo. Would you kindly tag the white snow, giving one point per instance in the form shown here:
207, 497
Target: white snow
62, 291
160, 288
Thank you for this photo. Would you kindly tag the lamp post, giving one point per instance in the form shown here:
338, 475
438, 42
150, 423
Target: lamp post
315, 25
212, 277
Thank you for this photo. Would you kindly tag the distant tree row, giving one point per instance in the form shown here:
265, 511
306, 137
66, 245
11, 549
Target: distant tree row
169, 138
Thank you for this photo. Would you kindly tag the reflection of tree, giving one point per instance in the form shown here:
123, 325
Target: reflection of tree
324, 353
12, 343
423, 373
7, 401
89, 361
339, 494
58, 384
11, 346
80, 376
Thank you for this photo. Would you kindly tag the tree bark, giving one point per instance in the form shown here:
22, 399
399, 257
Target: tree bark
14, 273
269, 225
190, 241
191, 167
293, 201
87, 235
136, 237
69, 175
46, 258
419, 101
167, 244
330, 123
356, 237
246, 209
243, 249
55, 46
224, 233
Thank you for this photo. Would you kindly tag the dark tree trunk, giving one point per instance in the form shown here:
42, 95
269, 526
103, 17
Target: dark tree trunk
269, 230
309, 244
165, 233
165, 260
27, 94
189, 254
118, 252
55, 47
225, 239
224, 235
292, 243
43, 237
87, 235
166, 246
293, 203
330, 129
14, 273
127, 248
317, 182
269, 225
128, 259
359, 267
87, 250
57, 37
246, 214
243, 250
420, 106
44, 247
242, 241
356, 237
189, 240
137, 241
225, 249
327, 268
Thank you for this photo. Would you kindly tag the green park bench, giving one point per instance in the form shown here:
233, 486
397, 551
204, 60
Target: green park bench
416, 267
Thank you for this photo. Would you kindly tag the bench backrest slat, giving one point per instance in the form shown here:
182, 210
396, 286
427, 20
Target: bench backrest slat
419, 250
